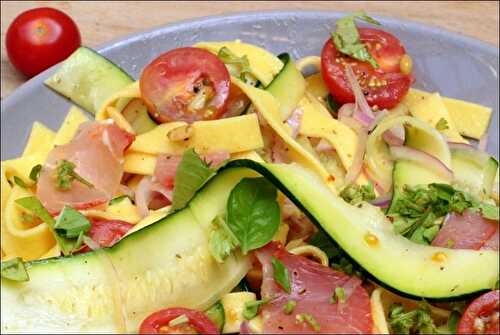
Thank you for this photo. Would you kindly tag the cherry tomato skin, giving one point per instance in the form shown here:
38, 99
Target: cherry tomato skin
169, 83
106, 232
485, 306
40, 38
198, 320
385, 86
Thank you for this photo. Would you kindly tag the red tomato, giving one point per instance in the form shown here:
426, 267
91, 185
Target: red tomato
481, 316
157, 322
107, 232
171, 82
40, 38
384, 87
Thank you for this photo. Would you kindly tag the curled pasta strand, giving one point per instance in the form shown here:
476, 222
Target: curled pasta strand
311, 251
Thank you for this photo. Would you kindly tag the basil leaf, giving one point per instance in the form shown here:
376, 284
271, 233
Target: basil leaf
253, 214
252, 308
117, 200
281, 275
19, 182
71, 223
35, 206
192, 173
35, 172
221, 241
14, 269
347, 41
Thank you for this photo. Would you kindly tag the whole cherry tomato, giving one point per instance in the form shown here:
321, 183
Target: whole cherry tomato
40, 38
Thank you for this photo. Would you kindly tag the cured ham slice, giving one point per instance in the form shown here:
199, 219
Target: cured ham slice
97, 152
312, 286
166, 166
467, 231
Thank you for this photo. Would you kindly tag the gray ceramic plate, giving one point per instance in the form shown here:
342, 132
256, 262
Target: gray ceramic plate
452, 64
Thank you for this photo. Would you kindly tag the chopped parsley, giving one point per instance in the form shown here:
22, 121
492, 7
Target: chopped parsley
281, 275
65, 172
338, 296
240, 65
355, 194
252, 308
309, 319
221, 241
35, 172
14, 269
19, 182
419, 211
442, 124
347, 41
289, 307
417, 321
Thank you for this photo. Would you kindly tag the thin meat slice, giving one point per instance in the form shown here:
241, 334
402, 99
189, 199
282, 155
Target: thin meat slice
467, 231
97, 152
312, 285
166, 166
492, 242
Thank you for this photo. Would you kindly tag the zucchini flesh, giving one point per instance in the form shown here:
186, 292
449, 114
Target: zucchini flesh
474, 171
168, 263
288, 87
88, 79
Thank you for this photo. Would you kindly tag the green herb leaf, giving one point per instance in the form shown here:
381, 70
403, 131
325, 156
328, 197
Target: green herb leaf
442, 124
253, 214
252, 308
117, 200
14, 269
65, 173
35, 206
347, 41
216, 315
338, 296
221, 241
19, 182
289, 307
453, 321
355, 194
35, 172
417, 321
190, 176
488, 211
242, 63
313, 323
281, 275
71, 223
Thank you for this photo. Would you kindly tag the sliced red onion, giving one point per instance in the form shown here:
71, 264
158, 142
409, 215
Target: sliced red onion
245, 328
125, 190
381, 189
459, 145
324, 146
163, 190
395, 135
483, 142
143, 195
362, 112
424, 158
294, 121
378, 117
346, 110
382, 201
357, 162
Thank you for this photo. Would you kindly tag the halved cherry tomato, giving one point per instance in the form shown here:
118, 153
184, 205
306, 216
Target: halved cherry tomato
481, 316
158, 322
40, 38
185, 84
107, 232
385, 86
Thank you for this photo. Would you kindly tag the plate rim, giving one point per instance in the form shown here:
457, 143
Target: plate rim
257, 16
